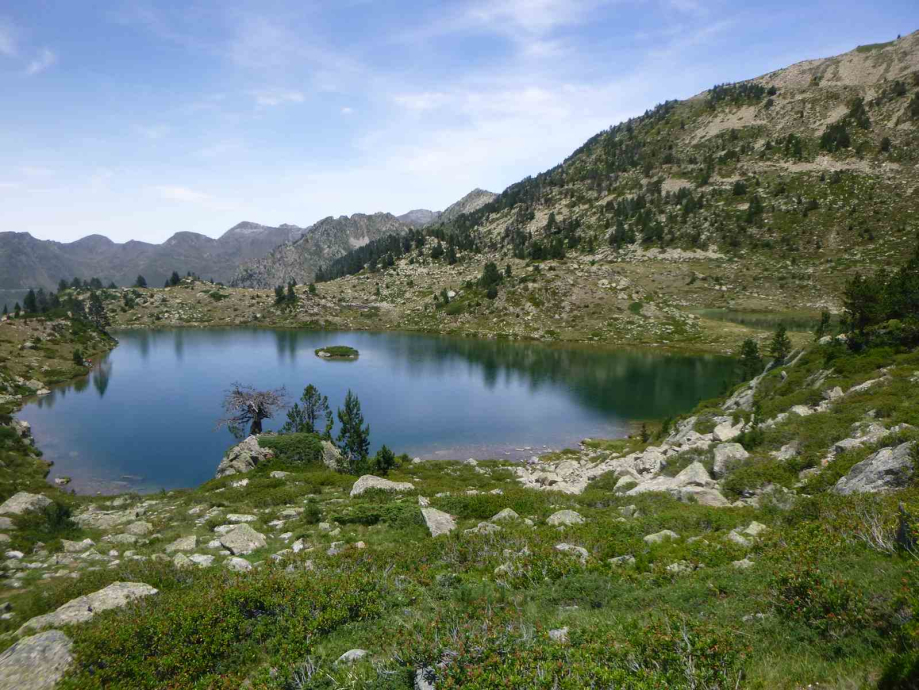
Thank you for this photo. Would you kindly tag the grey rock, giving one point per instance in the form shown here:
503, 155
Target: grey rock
887, 469
351, 656
738, 539
743, 564
278, 474
622, 560
243, 457
37, 662
754, 529
425, 678
201, 560
183, 544
331, 456
437, 521
680, 567
483, 528
242, 540
77, 546
705, 497
564, 518
726, 454
661, 536
83, 608
239, 565
572, 550
139, 529
368, 482
559, 635
237, 518
727, 432
182, 561
19, 503
628, 511
506, 514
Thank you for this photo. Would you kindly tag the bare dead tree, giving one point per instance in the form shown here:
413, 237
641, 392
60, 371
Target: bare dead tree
245, 406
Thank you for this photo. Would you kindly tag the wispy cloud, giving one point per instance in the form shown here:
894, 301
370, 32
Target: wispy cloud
153, 131
347, 110
184, 194
46, 58
7, 38
273, 97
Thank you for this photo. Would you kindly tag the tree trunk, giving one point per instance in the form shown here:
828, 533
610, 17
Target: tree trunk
256, 427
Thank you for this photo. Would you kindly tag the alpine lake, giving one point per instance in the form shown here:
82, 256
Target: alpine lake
144, 418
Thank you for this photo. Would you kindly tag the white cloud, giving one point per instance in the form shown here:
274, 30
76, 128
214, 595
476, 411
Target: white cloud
7, 39
347, 111
45, 59
273, 97
153, 131
184, 194
422, 101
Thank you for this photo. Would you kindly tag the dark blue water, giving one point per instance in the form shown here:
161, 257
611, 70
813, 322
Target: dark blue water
144, 419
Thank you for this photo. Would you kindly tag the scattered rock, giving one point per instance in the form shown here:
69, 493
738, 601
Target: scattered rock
559, 635
506, 514
727, 454
37, 662
242, 540
368, 482
183, 544
438, 522
239, 565
483, 528
237, 518
622, 560
278, 474
888, 468
661, 536
743, 564
83, 608
629, 511
351, 656
572, 550
77, 546
139, 529
17, 504
565, 517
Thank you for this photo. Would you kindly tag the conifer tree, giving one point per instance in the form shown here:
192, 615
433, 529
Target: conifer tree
354, 436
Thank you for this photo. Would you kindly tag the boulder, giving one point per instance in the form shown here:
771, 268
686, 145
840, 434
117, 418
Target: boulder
438, 522
887, 469
236, 518
705, 497
622, 560
483, 528
727, 432
506, 514
351, 656
565, 517
183, 544
139, 529
37, 662
83, 608
661, 536
693, 475
242, 540
628, 511
368, 482
559, 635
239, 565
727, 454
743, 564
17, 504
331, 456
572, 550
243, 457
77, 546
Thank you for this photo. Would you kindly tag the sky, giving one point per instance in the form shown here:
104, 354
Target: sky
136, 119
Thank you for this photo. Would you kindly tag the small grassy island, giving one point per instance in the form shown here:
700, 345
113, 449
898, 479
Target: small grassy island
337, 352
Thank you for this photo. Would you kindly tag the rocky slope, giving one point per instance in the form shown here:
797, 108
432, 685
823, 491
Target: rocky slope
332, 238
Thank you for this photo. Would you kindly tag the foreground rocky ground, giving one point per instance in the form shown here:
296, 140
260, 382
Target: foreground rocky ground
754, 543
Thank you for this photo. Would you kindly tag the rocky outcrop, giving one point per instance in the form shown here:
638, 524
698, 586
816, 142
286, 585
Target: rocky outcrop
887, 469
83, 608
331, 456
37, 662
23, 502
369, 481
243, 457
726, 455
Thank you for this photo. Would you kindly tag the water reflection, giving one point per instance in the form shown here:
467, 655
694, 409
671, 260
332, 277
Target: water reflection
428, 396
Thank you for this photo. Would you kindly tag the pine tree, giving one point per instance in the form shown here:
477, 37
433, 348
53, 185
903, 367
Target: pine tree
16, 310
96, 312
30, 303
62, 285
141, 282
305, 418
823, 326
354, 436
174, 279
751, 362
781, 345
384, 461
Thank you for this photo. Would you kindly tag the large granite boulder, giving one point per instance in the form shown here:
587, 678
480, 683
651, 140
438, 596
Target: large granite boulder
20, 503
243, 457
331, 456
242, 540
564, 518
887, 469
726, 455
37, 662
369, 481
83, 608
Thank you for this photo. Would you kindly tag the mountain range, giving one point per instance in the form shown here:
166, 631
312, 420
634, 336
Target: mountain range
27, 262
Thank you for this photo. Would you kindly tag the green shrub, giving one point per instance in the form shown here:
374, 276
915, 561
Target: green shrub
828, 605
294, 448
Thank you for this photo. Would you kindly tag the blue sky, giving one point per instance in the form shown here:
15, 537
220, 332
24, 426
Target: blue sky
137, 119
